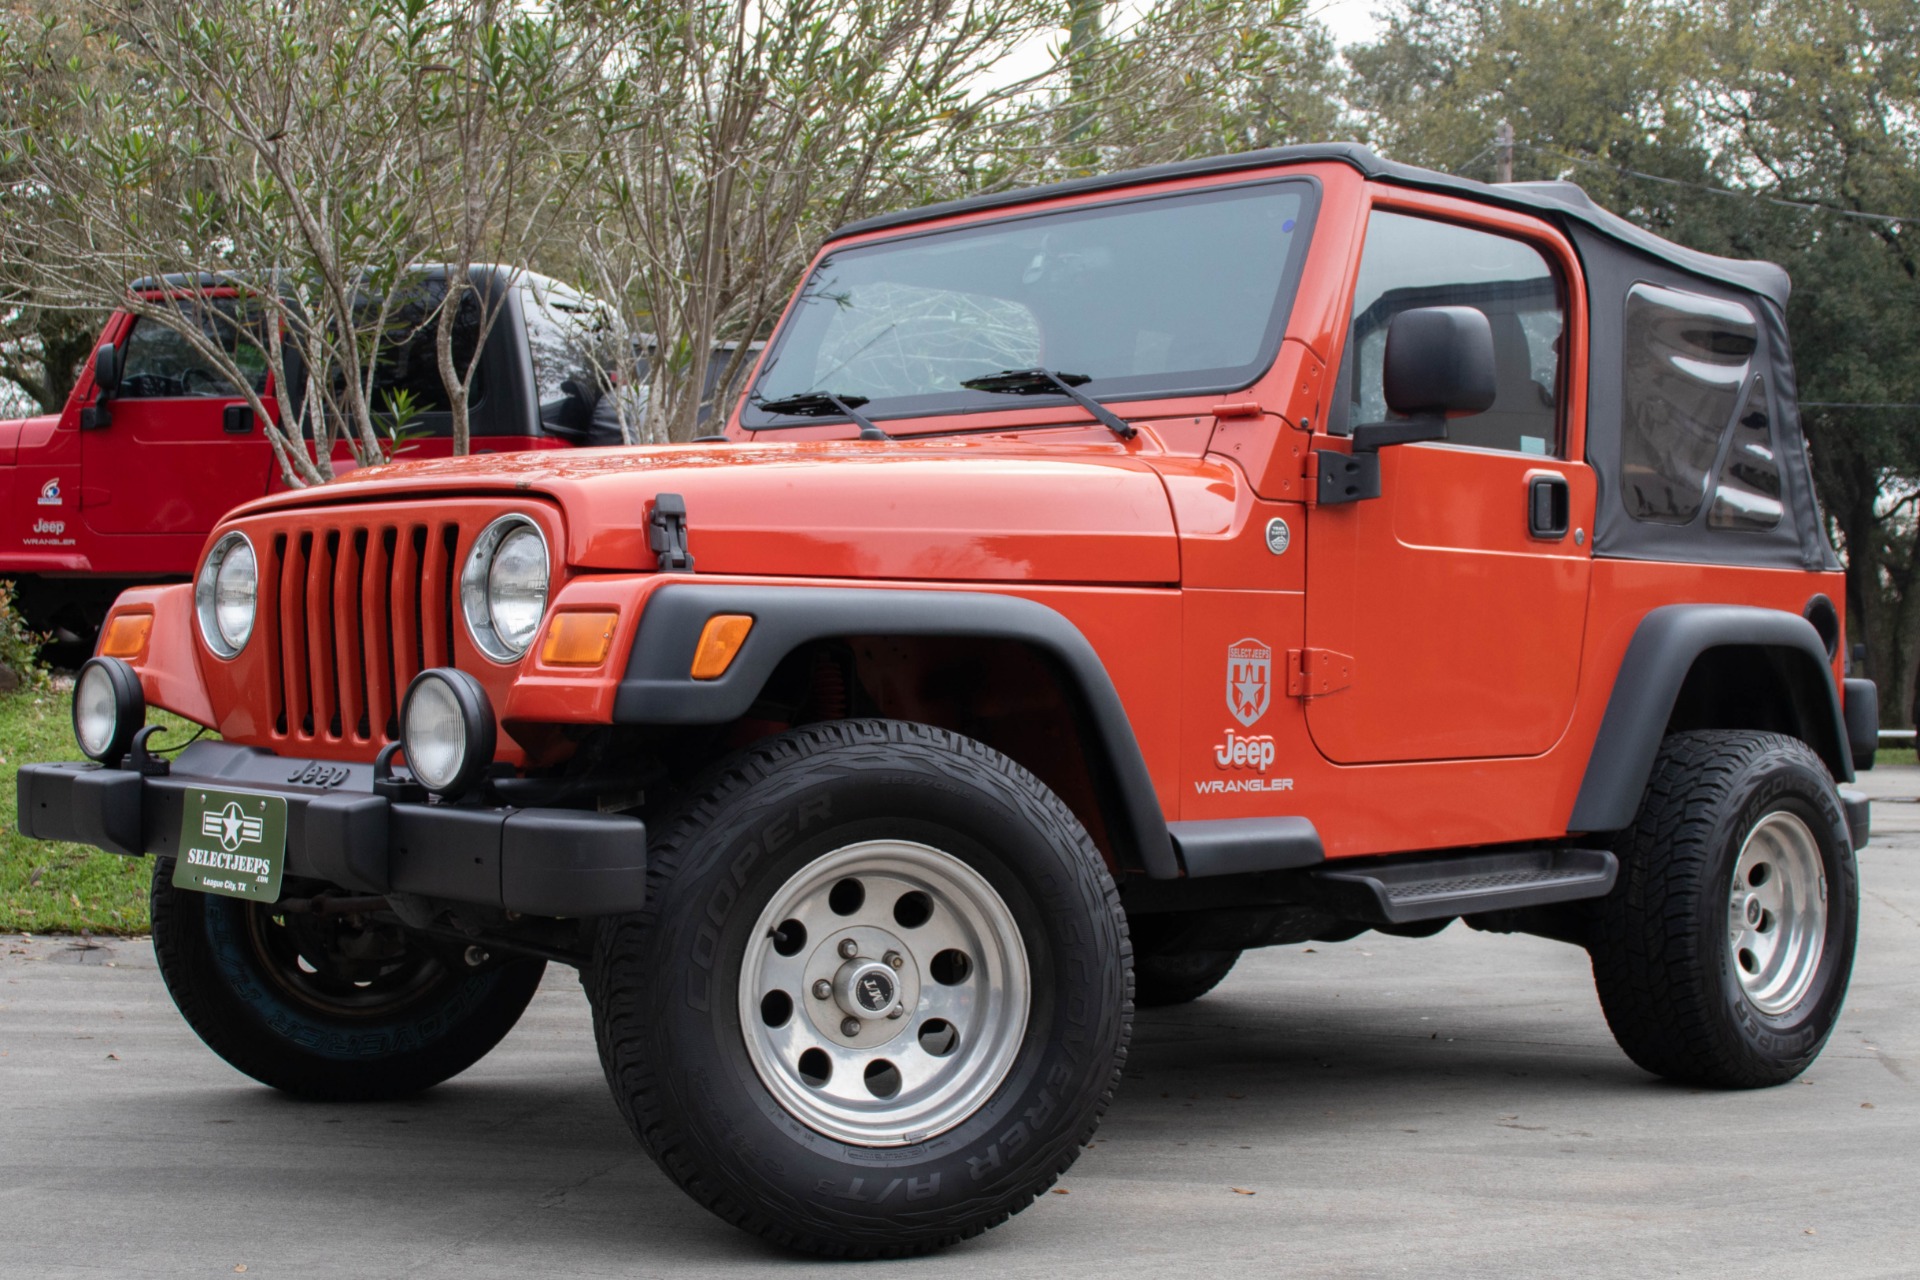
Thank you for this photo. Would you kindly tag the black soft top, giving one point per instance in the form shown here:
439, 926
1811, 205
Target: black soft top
1563, 199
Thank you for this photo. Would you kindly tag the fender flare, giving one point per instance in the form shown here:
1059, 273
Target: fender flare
1665, 646
657, 687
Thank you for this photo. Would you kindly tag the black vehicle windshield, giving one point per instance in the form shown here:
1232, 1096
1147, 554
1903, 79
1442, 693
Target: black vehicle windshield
1168, 295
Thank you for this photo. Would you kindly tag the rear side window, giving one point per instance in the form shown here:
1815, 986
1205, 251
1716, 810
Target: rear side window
1688, 366
408, 358
1417, 262
1746, 492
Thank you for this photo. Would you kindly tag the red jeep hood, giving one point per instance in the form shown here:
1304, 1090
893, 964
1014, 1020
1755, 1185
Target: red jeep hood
12, 429
952, 510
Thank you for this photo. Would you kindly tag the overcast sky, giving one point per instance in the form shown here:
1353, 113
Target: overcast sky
1351, 21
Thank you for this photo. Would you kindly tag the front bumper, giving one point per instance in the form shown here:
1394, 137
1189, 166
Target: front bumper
544, 862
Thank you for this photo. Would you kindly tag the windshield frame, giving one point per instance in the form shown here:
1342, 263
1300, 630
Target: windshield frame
751, 417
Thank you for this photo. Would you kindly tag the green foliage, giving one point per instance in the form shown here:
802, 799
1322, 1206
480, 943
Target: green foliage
61, 888
19, 647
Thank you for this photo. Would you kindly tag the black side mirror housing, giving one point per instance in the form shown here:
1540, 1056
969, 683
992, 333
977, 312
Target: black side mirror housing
106, 368
1438, 365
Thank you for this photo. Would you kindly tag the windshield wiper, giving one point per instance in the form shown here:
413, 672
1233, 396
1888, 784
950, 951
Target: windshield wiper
819, 404
1047, 382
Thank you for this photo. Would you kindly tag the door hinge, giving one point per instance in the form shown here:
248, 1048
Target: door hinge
1334, 478
667, 537
1312, 672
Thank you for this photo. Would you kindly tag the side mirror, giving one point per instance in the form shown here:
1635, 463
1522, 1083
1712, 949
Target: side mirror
106, 368
1438, 365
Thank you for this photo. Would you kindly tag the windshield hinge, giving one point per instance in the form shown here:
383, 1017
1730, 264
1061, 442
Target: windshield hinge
1312, 672
668, 535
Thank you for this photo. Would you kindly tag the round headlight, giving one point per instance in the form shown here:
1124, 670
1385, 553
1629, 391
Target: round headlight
226, 595
108, 709
446, 730
503, 587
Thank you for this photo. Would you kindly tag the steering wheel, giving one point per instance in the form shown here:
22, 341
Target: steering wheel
190, 375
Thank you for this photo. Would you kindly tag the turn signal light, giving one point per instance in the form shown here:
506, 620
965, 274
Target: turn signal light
578, 639
720, 640
126, 635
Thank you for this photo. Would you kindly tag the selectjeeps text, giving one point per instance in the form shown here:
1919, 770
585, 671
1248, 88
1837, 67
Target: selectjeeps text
1095, 582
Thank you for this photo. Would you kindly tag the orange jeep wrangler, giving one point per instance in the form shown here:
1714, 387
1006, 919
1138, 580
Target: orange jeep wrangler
1094, 582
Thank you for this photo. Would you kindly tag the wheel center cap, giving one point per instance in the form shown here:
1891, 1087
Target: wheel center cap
866, 989
1753, 912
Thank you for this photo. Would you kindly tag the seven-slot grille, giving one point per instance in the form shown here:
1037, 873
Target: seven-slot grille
357, 609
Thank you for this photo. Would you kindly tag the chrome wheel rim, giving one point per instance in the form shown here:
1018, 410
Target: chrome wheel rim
884, 993
1777, 913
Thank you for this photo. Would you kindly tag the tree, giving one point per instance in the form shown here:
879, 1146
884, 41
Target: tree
733, 136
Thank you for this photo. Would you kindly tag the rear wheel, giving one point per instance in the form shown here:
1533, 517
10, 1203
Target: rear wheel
1722, 956
334, 1007
1180, 978
879, 995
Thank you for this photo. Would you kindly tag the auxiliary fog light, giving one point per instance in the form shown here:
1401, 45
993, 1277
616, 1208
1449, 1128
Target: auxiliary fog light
108, 709
446, 731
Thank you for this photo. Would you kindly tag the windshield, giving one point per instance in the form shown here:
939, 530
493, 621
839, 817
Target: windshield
1163, 296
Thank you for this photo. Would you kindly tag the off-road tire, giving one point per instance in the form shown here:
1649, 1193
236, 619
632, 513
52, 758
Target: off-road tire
665, 989
1662, 960
225, 986
1161, 980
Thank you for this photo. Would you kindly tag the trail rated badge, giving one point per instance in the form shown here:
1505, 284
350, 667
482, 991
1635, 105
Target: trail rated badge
1249, 680
233, 844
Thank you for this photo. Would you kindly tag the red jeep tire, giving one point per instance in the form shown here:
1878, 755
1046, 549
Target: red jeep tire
1722, 956
879, 997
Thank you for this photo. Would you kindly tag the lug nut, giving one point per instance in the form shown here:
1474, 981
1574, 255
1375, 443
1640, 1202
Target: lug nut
850, 1027
849, 948
475, 957
895, 959
897, 1011
822, 989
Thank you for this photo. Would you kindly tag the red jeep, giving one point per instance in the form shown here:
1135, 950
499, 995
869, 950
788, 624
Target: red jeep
123, 484
1095, 582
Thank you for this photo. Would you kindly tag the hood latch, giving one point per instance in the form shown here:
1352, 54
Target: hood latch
668, 535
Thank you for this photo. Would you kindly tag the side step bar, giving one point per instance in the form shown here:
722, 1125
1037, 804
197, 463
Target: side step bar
1405, 890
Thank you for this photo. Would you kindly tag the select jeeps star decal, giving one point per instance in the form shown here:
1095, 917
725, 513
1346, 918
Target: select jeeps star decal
1249, 680
232, 828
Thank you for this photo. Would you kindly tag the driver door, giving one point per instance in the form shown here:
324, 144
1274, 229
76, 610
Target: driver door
1453, 606
182, 448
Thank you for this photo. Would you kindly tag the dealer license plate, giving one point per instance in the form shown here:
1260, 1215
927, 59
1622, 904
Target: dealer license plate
233, 843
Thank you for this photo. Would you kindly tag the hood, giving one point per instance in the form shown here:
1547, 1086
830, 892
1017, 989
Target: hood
13, 429
945, 510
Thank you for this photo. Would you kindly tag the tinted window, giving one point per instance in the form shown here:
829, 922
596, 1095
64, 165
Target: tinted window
407, 360
1746, 493
575, 350
1163, 295
1685, 362
1417, 262
160, 363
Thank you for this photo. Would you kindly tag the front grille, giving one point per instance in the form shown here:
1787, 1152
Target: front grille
357, 609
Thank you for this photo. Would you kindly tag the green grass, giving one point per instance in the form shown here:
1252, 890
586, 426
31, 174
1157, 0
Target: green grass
61, 888
1895, 755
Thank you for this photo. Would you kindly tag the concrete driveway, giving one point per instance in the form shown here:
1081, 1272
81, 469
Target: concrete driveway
1446, 1107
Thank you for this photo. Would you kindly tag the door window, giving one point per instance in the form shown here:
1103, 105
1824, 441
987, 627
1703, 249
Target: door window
1417, 262
159, 362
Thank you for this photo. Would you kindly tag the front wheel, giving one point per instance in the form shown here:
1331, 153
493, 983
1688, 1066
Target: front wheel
879, 996
340, 1008
1723, 954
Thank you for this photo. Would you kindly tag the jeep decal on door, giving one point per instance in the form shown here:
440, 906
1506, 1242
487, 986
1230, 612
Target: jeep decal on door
1249, 680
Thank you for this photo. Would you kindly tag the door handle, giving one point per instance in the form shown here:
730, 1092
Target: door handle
237, 420
1548, 501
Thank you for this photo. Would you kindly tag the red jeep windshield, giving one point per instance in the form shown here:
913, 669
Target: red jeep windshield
1168, 295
